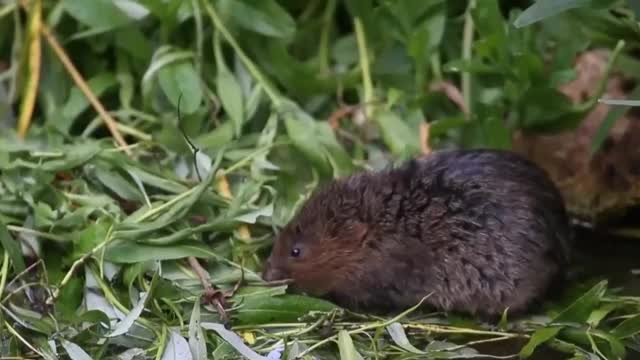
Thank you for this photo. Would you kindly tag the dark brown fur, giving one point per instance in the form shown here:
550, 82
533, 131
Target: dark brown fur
481, 230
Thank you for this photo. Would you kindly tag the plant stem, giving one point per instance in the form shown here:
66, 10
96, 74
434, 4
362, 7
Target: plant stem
378, 324
22, 339
79, 262
34, 62
323, 50
467, 43
5, 271
84, 87
162, 343
197, 16
41, 234
364, 65
251, 67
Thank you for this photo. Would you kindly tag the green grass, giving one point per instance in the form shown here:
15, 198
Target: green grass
95, 234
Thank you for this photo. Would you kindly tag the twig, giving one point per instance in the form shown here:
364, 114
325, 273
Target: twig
84, 87
424, 138
26, 270
453, 93
34, 65
20, 229
365, 327
211, 294
336, 116
23, 340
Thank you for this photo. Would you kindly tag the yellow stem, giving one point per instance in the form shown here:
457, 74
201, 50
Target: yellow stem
34, 62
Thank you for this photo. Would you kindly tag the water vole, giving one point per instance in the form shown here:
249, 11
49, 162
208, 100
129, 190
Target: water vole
481, 230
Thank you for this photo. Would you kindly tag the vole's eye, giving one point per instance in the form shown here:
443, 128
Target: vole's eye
295, 252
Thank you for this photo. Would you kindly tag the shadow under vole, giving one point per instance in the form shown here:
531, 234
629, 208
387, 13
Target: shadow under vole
481, 230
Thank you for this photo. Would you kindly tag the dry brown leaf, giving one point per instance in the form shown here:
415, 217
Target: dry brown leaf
601, 186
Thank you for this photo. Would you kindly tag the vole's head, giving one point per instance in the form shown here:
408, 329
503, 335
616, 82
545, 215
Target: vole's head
319, 248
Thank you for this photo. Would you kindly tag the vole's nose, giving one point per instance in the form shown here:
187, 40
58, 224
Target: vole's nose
272, 273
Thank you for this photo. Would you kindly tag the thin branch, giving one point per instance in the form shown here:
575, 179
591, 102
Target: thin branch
84, 87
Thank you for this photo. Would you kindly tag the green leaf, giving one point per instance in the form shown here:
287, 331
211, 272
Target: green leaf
177, 348
74, 156
273, 309
252, 217
229, 90
134, 226
580, 310
538, 338
300, 128
635, 6
217, 138
543, 105
498, 133
264, 17
178, 79
74, 351
116, 183
360, 8
234, 340
400, 338
77, 102
543, 9
97, 14
397, 135
45, 347
89, 237
131, 252
599, 314
616, 348
337, 155
156, 180
125, 324
70, 298
132, 8
347, 349
627, 328
197, 342
12, 247
490, 22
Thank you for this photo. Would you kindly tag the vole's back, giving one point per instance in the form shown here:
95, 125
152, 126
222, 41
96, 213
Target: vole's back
480, 230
